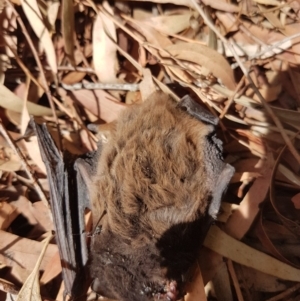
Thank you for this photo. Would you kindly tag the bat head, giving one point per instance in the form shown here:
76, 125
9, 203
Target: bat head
157, 188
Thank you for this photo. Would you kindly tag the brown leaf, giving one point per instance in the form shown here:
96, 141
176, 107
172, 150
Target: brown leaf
21, 254
73, 77
10, 101
99, 103
225, 245
52, 270
104, 48
206, 57
147, 86
272, 18
37, 214
222, 6
172, 24
242, 218
7, 214
34, 17
30, 291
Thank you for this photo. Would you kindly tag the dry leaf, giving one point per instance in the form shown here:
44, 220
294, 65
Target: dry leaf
11, 161
268, 2
30, 290
53, 8
73, 77
291, 176
169, 24
104, 48
147, 86
222, 5
52, 270
242, 218
36, 214
21, 254
288, 116
7, 214
206, 57
10, 165
176, 2
34, 17
227, 246
271, 17
10, 101
270, 93
99, 103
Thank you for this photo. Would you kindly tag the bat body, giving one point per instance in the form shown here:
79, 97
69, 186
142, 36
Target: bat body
156, 188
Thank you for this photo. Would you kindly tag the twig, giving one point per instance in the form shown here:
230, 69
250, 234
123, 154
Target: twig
71, 68
25, 165
101, 86
235, 280
231, 98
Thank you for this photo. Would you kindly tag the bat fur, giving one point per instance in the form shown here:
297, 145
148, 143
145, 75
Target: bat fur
156, 189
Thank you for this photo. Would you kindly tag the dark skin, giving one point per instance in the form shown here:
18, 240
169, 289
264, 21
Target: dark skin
154, 188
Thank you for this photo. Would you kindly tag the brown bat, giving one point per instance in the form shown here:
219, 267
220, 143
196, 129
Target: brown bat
154, 187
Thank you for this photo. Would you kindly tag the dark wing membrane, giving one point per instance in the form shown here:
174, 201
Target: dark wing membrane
68, 200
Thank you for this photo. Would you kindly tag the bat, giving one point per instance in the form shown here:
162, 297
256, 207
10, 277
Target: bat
154, 188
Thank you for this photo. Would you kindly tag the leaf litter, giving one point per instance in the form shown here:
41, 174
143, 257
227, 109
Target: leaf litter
239, 58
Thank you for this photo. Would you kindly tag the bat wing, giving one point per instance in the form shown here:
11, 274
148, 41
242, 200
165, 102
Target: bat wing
68, 200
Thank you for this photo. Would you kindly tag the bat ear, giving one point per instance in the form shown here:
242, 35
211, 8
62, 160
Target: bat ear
196, 110
220, 187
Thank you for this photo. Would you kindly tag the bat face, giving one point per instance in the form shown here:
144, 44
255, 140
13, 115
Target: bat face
157, 187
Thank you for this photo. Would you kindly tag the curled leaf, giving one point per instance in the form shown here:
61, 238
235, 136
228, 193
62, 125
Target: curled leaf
206, 57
